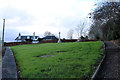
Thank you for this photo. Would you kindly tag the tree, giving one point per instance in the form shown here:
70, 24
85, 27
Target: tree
108, 14
40, 39
70, 34
47, 33
95, 31
79, 29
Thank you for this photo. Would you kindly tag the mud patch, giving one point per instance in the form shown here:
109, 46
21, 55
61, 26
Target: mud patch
46, 56
60, 51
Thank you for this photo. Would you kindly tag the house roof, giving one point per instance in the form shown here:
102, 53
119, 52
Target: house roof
25, 37
50, 37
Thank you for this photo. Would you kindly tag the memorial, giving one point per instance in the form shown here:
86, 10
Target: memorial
59, 41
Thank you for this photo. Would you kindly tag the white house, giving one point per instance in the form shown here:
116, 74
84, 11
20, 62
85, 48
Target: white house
24, 38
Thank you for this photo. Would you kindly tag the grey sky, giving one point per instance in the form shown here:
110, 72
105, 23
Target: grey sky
28, 16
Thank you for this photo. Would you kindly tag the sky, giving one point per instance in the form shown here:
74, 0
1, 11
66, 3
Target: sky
28, 16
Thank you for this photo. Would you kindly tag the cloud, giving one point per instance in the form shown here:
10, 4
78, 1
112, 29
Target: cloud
16, 20
15, 17
28, 16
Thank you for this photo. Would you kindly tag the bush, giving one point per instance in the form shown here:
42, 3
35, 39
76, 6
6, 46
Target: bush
40, 39
112, 35
82, 37
3, 51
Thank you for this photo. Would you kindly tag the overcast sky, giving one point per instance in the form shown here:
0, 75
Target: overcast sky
28, 16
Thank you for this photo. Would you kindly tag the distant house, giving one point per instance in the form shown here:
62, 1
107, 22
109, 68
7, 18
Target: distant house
50, 38
25, 38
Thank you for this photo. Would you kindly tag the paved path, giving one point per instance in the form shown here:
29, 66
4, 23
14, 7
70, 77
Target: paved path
9, 70
110, 69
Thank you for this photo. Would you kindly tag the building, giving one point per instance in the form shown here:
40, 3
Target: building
50, 38
21, 38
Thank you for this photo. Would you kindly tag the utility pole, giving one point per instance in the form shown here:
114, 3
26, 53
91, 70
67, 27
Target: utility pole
3, 32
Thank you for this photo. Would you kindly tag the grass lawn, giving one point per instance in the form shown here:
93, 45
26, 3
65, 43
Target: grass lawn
63, 60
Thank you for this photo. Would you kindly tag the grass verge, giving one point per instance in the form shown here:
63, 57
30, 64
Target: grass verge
53, 60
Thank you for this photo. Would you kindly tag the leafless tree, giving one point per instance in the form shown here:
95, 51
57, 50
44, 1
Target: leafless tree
95, 31
70, 34
79, 29
47, 33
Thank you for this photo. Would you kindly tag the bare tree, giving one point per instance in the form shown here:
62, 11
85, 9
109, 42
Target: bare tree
95, 31
79, 29
47, 33
70, 34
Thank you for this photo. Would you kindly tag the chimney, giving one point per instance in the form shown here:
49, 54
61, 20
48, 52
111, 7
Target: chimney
19, 37
19, 34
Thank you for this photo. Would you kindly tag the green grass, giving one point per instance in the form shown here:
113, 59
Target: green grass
71, 60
